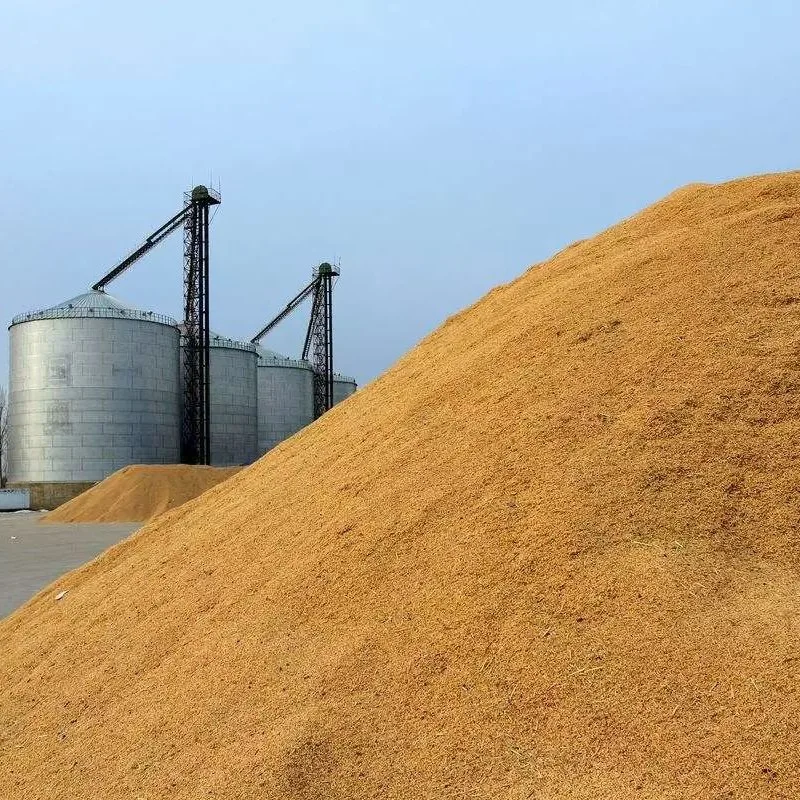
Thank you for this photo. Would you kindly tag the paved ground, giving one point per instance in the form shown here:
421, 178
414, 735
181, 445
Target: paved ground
34, 555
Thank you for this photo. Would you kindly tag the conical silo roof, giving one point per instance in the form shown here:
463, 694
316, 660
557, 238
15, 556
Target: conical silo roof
220, 340
271, 358
93, 304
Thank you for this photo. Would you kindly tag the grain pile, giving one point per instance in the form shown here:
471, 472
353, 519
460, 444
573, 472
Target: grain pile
552, 553
140, 492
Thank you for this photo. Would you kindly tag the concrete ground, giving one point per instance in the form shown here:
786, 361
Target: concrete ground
33, 555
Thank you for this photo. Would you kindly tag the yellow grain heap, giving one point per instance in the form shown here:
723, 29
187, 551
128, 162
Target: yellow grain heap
552, 553
139, 493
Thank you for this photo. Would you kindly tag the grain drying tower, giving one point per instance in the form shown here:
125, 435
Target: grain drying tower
94, 386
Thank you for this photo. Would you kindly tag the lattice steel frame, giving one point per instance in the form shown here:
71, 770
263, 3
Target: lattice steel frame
196, 429
319, 334
322, 337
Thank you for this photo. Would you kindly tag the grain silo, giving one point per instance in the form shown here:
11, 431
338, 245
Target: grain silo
234, 402
343, 387
285, 397
94, 386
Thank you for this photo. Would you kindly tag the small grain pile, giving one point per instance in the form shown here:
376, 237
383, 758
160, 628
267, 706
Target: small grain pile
552, 553
140, 492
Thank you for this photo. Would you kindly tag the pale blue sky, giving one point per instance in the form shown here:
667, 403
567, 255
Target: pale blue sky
437, 148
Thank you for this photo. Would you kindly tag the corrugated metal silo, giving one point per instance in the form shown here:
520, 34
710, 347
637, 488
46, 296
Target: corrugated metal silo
285, 398
94, 386
343, 387
234, 402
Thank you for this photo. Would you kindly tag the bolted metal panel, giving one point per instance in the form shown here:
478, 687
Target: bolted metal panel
91, 394
285, 399
343, 387
234, 402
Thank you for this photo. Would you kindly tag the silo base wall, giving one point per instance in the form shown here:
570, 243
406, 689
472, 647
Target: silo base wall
52, 495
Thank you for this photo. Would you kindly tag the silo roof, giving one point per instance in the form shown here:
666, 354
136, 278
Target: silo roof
218, 340
93, 304
270, 358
